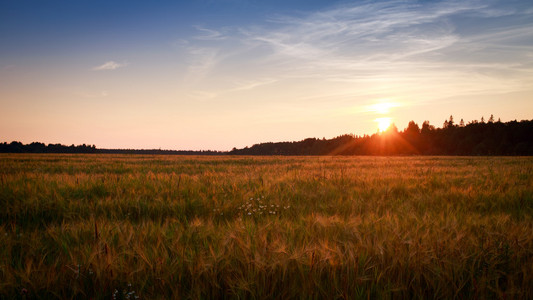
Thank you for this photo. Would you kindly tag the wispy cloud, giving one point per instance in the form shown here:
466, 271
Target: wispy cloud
251, 84
209, 34
201, 95
401, 47
373, 32
420, 51
110, 65
201, 61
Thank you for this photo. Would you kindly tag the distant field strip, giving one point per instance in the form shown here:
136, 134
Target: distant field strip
133, 226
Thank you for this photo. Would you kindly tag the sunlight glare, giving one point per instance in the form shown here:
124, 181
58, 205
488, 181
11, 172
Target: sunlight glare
383, 123
382, 107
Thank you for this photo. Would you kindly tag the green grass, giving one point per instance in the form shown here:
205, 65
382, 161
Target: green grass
104, 226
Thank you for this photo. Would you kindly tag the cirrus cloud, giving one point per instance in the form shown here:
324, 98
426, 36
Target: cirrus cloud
110, 65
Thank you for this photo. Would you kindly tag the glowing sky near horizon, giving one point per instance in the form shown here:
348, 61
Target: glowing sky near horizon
232, 73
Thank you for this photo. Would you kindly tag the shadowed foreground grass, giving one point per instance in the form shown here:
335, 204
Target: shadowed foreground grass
129, 227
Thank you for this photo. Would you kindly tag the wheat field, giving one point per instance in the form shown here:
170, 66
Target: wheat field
189, 227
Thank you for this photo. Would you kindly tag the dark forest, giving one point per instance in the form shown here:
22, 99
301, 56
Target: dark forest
475, 138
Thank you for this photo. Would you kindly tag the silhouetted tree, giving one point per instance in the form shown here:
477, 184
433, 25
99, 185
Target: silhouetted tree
35, 147
426, 128
476, 138
412, 128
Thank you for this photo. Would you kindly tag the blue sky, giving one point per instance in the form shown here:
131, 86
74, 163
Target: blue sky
218, 74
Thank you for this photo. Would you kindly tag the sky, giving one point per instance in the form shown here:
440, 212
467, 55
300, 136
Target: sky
218, 74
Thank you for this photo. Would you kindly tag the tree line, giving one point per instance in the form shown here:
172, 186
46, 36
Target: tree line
36, 147
485, 137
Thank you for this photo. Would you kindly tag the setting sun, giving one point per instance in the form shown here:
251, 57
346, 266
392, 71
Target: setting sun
382, 107
383, 123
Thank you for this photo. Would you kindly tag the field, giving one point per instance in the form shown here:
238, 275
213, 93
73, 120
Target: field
130, 227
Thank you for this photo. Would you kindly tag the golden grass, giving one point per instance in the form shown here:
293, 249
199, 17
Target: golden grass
104, 226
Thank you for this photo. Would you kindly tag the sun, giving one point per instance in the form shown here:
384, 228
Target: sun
382, 107
383, 123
